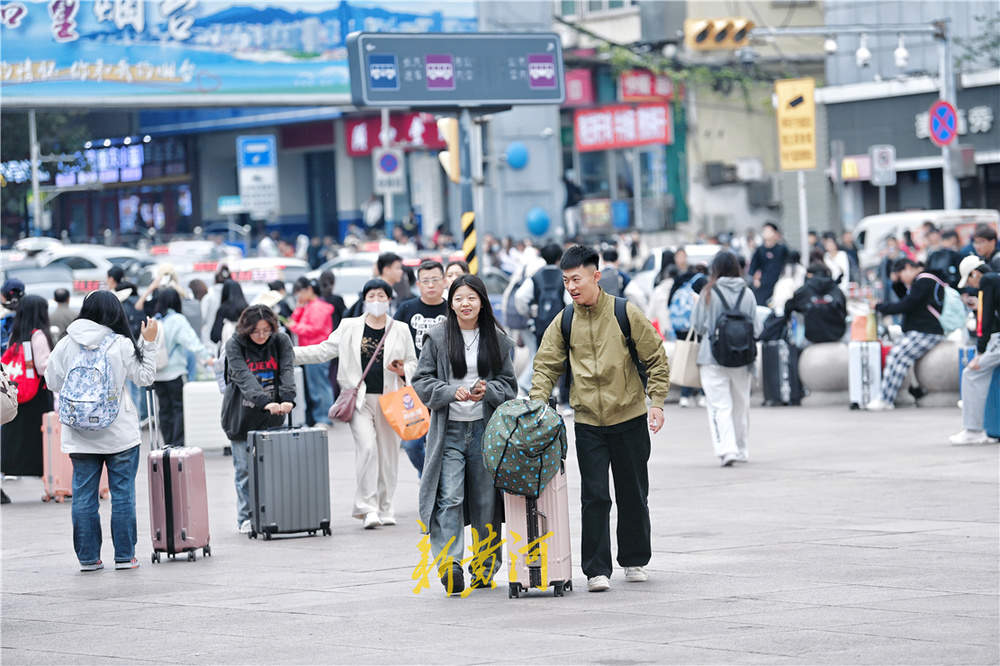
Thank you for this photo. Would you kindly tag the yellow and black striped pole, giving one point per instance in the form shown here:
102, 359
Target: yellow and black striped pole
469, 241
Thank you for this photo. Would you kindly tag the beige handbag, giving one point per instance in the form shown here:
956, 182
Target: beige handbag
684, 366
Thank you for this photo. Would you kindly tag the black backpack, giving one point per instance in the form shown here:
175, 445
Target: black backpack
623, 323
733, 344
548, 297
825, 317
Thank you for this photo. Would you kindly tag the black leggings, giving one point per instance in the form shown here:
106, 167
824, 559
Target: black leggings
170, 395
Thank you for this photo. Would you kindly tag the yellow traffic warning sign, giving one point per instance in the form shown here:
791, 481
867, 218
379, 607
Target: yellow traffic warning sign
796, 123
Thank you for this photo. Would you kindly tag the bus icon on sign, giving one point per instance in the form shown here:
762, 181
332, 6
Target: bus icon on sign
382, 72
541, 70
440, 72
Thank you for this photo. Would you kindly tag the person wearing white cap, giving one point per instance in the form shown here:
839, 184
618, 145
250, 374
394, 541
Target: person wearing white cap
979, 372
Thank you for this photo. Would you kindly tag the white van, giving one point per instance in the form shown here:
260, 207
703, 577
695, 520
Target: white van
872, 231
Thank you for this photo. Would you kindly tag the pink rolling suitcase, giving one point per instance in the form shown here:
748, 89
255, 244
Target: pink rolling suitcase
548, 562
178, 498
57, 467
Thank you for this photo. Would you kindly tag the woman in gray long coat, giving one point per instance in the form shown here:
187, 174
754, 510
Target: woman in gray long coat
465, 371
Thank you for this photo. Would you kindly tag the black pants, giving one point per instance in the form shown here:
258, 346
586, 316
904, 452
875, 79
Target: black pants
170, 395
625, 447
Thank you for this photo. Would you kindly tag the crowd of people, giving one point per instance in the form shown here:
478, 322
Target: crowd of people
570, 305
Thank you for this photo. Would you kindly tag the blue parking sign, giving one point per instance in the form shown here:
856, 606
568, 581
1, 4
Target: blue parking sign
383, 74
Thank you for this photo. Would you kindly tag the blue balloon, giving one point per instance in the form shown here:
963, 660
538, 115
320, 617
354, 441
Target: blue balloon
517, 155
538, 221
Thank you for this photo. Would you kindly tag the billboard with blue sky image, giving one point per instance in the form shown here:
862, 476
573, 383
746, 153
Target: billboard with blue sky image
184, 53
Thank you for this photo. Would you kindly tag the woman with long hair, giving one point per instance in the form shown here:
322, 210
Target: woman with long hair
370, 341
727, 389
232, 306
465, 372
178, 338
260, 391
102, 324
21, 443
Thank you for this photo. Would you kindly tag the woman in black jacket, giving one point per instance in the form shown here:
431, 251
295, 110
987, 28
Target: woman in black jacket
230, 308
922, 300
260, 391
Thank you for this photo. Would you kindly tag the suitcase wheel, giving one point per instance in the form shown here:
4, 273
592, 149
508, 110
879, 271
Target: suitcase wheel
206, 551
513, 590
327, 531
252, 535
312, 532
47, 498
568, 586
156, 557
557, 589
267, 536
192, 556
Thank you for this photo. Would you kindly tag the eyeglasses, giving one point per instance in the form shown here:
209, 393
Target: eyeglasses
430, 281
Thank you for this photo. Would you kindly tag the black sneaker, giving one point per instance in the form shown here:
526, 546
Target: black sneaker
453, 580
480, 582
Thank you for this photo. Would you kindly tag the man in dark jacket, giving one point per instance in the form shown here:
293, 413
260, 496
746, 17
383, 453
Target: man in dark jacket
984, 240
822, 304
979, 372
921, 328
768, 261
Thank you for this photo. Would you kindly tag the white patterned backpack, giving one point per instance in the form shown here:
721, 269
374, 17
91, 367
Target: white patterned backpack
89, 399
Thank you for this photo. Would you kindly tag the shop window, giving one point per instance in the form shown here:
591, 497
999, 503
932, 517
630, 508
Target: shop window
568, 7
594, 179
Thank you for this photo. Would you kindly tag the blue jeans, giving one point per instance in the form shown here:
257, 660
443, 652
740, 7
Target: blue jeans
415, 449
139, 398
464, 477
319, 393
192, 367
86, 488
241, 470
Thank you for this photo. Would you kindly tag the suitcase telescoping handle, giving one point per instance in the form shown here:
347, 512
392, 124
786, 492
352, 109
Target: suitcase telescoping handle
154, 420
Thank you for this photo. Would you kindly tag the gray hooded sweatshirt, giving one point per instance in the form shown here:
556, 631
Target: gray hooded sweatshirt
705, 315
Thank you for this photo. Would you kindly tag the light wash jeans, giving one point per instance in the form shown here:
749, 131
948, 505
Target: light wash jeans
122, 468
241, 472
415, 450
463, 477
319, 393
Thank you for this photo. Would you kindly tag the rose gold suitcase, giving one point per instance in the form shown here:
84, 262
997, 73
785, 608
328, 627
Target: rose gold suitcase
178, 498
57, 467
538, 540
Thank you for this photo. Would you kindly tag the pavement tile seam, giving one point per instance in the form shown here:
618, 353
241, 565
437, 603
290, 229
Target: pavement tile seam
846, 629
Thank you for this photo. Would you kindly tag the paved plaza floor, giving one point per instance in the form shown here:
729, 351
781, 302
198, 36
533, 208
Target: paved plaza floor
850, 538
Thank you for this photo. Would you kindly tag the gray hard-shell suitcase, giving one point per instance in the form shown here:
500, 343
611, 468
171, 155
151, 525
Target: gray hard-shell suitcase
289, 481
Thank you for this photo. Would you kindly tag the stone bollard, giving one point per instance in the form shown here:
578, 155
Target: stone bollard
823, 371
937, 373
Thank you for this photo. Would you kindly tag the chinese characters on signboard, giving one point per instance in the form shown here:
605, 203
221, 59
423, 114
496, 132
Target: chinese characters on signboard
637, 85
613, 127
413, 130
579, 88
796, 114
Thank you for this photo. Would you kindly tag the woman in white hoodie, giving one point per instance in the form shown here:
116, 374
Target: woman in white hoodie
102, 325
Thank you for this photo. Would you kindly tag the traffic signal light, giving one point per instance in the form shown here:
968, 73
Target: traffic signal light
717, 34
451, 158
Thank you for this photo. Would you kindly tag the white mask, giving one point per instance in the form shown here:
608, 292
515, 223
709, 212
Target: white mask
376, 308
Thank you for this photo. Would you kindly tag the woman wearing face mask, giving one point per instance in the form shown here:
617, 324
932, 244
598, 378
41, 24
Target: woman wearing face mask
260, 391
465, 372
376, 445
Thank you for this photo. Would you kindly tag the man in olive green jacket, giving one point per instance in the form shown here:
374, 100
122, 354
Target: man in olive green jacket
611, 415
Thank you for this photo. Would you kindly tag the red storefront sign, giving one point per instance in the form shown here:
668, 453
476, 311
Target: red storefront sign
579, 88
638, 85
611, 127
414, 130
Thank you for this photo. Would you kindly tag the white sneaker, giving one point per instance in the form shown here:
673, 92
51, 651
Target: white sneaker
728, 459
372, 521
245, 527
636, 574
598, 584
969, 437
879, 405
387, 519
701, 401
684, 402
